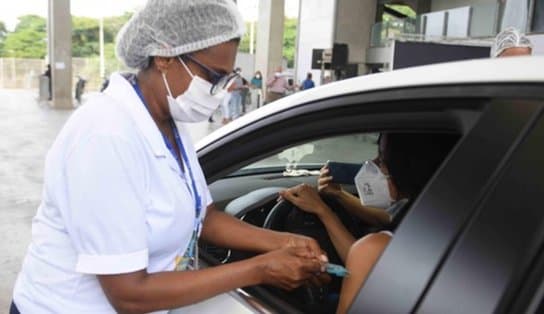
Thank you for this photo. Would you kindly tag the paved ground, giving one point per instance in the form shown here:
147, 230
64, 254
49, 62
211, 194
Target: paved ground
28, 129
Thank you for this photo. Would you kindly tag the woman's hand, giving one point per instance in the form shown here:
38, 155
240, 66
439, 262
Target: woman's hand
306, 198
291, 267
296, 240
325, 184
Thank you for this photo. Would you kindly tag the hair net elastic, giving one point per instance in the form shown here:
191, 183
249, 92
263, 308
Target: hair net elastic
170, 28
509, 38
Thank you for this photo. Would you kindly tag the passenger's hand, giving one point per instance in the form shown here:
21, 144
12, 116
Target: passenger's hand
306, 198
325, 184
289, 268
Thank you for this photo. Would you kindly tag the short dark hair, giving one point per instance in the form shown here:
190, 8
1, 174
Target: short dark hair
309, 75
412, 158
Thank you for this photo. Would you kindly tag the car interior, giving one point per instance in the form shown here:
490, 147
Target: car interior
250, 193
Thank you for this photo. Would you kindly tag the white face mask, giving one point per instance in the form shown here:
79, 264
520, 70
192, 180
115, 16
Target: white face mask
372, 186
196, 104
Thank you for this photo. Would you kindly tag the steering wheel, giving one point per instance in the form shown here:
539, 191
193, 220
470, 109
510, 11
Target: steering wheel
287, 217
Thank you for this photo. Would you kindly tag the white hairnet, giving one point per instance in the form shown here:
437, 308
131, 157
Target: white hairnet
509, 38
170, 28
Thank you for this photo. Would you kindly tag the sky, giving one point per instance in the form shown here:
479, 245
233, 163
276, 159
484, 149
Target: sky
10, 10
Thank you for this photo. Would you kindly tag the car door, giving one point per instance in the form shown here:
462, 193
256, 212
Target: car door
472, 111
493, 257
436, 261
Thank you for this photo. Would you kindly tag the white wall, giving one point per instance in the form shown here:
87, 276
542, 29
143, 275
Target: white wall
438, 5
315, 32
246, 61
354, 20
538, 44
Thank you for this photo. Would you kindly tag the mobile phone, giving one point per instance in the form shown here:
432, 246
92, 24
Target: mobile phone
342, 172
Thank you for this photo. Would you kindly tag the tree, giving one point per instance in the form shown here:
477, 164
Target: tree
113, 24
85, 35
289, 41
244, 42
28, 40
3, 34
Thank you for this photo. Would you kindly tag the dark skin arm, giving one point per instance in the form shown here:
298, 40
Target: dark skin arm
141, 292
292, 261
224, 230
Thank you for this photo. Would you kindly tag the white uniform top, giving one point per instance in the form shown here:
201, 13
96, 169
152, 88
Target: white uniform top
114, 201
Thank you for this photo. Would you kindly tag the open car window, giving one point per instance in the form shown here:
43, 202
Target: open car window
252, 196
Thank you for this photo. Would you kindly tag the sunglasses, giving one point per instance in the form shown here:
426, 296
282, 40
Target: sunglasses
218, 80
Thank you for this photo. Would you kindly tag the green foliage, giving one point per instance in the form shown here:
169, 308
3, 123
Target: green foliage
244, 42
289, 41
3, 34
113, 24
28, 40
85, 33
31, 22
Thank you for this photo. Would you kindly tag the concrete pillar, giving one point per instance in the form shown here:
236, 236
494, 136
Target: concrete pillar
315, 31
269, 50
422, 6
60, 52
353, 26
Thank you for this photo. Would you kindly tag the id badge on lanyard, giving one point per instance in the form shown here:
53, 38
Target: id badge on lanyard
189, 260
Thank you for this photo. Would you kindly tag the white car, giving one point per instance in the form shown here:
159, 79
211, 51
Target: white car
471, 242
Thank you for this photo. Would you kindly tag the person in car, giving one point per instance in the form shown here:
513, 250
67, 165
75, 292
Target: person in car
125, 200
511, 43
404, 164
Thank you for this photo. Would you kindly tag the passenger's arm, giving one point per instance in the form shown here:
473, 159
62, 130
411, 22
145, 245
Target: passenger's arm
306, 198
370, 215
340, 236
362, 257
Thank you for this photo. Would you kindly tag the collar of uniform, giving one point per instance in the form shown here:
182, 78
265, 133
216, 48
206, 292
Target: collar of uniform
121, 90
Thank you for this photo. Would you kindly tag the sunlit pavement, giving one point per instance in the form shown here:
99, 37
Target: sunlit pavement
28, 130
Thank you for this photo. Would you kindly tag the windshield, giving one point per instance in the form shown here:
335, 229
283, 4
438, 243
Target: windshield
353, 148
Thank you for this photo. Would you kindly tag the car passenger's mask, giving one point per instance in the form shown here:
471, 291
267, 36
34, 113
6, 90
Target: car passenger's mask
372, 186
196, 104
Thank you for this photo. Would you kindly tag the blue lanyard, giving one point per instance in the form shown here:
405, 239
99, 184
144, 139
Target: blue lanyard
177, 138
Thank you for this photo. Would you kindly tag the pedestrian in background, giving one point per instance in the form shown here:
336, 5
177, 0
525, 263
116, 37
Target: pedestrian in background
225, 105
245, 95
308, 82
47, 74
291, 87
256, 85
235, 103
511, 43
277, 86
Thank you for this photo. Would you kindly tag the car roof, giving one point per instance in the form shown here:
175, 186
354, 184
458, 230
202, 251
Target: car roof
499, 70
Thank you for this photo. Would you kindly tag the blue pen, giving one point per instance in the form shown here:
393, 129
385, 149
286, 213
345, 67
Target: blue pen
336, 270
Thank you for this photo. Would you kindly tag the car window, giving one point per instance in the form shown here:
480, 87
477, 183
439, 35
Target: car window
353, 148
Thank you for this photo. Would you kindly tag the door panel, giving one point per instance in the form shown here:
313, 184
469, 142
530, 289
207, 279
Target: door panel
487, 266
